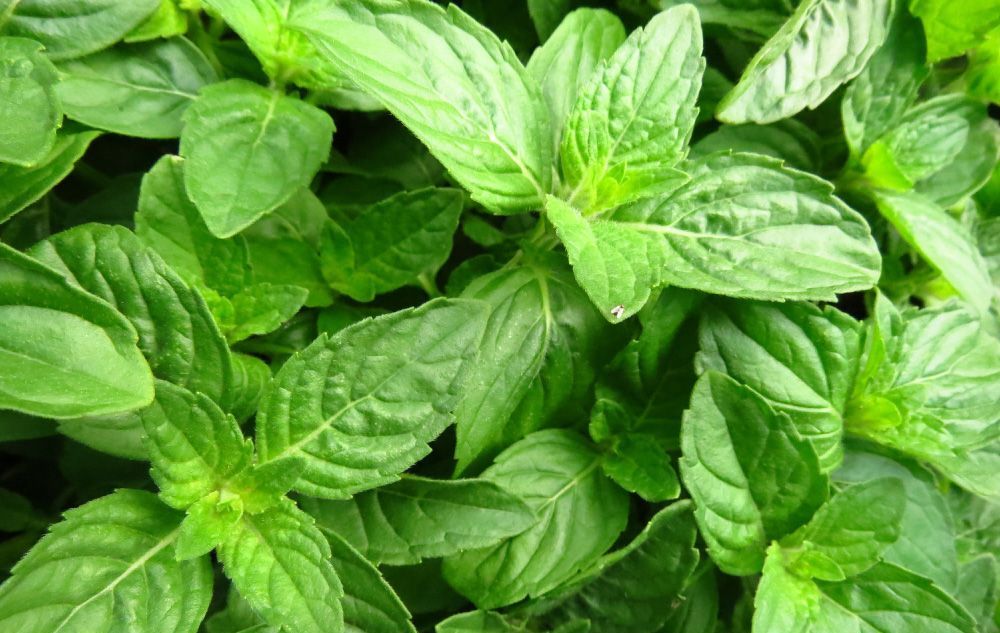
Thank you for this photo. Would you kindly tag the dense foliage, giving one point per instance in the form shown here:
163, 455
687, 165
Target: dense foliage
384, 316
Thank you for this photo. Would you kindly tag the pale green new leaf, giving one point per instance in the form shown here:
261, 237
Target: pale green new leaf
194, 447
168, 20
578, 514
823, 44
280, 563
256, 309
169, 223
248, 150
64, 352
877, 98
208, 523
24, 185
954, 27
108, 566
392, 243
537, 361
362, 405
802, 359
943, 242
884, 598
632, 121
73, 28
570, 56
29, 107
138, 90
849, 533
627, 590
752, 477
417, 518
452, 82
370, 604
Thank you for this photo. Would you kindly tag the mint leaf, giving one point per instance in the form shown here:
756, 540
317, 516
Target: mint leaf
822, 45
280, 563
391, 243
750, 474
787, 140
566, 62
96, 564
73, 28
28, 105
63, 352
632, 120
417, 518
476, 97
360, 429
194, 447
207, 524
571, 491
140, 90
247, 150
951, 30
802, 359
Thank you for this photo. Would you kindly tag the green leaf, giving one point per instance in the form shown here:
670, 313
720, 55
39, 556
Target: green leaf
256, 309
207, 524
169, 20
250, 376
370, 604
547, 15
176, 330
851, 530
884, 598
248, 150
30, 110
699, 603
417, 518
537, 361
93, 572
263, 486
138, 90
979, 590
569, 58
568, 493
472, 99
743, 226
362, 405
971, 168
194, 447
237, 617
280, 563
823, 44
477, 622
73, 28
752, 477
788, 140
392, 243
926, 543
802, 359
626, 591
23, 185
748, 19
953, 28
877, 98
928, 138
169, 223
17, 513
16, 426
943, 242
63, 352
639, 464
633, 119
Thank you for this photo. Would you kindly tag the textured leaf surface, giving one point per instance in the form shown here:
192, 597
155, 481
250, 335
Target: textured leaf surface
392, 242
417, 518
452, 82
802, 359
194, 447
109, 566
579, 514
627, 590
247, 150
943, 242
362, 405
139, 90
751, 476
280, 563
824, 44
631, 122
64, 352
73, 28
29, 108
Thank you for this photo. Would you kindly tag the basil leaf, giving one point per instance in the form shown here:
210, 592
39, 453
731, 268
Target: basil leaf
29, 107
25, 185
